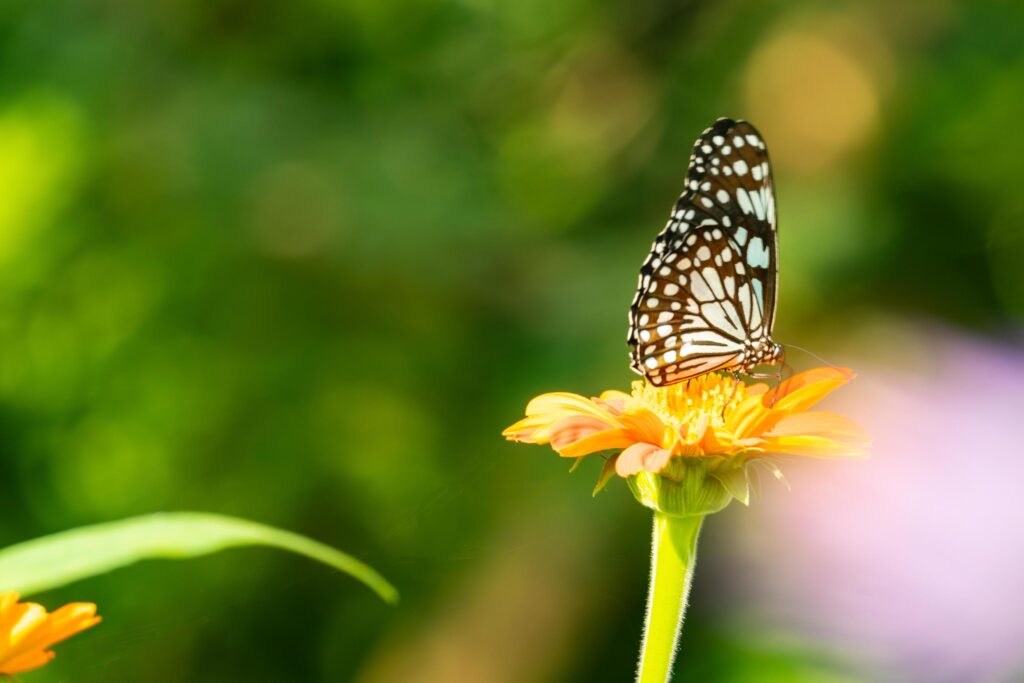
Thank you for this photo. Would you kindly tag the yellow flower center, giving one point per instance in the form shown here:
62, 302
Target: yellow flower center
688, 403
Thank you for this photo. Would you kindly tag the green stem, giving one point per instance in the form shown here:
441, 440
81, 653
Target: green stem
673, 552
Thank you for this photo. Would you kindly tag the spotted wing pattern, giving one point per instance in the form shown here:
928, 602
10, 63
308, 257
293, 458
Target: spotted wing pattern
706, 295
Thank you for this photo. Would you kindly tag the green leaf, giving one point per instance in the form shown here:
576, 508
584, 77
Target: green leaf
53, 561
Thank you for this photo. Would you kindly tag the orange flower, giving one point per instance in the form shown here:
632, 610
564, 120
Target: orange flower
712, 416
26, 630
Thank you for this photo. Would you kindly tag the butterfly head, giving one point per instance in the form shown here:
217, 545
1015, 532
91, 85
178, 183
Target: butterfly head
762, 351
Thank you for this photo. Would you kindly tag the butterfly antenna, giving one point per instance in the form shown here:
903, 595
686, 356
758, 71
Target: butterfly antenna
817, 358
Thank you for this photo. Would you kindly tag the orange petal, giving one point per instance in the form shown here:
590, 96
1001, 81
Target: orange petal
613, 401
817, 433
26, 631
645, 425
531, 429
71, 619
7, 599
26, 662
748, 413
575, 427
563, 401
641, 457
807, 388
793, 396
819, 423
601, 441
546, 410
813, 447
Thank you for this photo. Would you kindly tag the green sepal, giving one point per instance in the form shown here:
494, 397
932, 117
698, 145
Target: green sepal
687, 486
736, 482
607, 472
734, 475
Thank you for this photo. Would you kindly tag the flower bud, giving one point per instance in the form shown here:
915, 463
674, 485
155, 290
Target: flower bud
690, 486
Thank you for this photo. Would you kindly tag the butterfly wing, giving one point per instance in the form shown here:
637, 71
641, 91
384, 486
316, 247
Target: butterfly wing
709, 282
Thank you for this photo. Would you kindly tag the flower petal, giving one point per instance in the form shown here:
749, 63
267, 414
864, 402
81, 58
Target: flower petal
573, 428
547, 411
641, 457
527, 430
613, 401
563, 401
742, 419
813, 447
801, 391
792, 396
71, 619
610, 439
645, 425
26, 662
818, 433
27, 630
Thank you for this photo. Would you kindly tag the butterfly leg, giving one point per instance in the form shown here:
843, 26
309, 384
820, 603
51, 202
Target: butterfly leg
777, 376
735, 387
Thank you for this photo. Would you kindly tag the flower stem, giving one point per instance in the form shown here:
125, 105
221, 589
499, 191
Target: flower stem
673, 552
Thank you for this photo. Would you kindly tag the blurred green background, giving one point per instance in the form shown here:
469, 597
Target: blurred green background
302, 262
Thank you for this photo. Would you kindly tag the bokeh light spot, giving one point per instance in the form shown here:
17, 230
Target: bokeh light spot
812, 90
41, 141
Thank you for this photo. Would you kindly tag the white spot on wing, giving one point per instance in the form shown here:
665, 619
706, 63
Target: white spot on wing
758, 292
711, 277
757, 253
745, 302
699, 289
716, 314
757, 200
744, 200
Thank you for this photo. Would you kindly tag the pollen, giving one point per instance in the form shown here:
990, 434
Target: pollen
704, 400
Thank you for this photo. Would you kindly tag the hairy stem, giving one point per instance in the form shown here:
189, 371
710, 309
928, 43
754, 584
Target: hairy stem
673, 552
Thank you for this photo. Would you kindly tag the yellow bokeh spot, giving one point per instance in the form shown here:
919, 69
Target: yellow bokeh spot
41, 141
815, 88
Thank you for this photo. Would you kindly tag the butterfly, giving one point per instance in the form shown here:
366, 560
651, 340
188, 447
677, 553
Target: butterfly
705, 300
